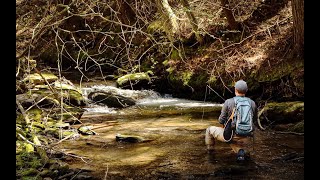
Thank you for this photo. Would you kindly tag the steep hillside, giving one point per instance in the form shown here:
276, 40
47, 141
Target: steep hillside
106, 40
263, 57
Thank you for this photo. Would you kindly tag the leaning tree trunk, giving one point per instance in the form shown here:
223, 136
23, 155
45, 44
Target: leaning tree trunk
233, 24
298, 25
171, 15
192, 19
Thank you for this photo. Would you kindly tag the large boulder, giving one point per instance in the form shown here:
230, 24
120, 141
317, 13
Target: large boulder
111, 100
283, 112
38, 100
134, 80
37, 79
72, 95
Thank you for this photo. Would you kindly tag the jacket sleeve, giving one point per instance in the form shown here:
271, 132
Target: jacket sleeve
224, 112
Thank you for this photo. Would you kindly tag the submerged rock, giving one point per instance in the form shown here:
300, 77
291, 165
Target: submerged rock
86, 130
130, 138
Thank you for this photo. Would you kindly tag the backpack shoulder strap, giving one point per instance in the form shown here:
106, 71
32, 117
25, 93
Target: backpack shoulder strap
235, 99
232, 114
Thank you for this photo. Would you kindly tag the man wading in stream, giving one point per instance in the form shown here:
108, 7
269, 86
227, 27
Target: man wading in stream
237, 116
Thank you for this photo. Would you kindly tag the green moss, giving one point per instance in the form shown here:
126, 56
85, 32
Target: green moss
74, 97
175, 54
284, 112
35, 163
133, 77
156, 26
186, 76
64, 86
20, 119
45, 172
29, 148
27, 160
285, 107
212, 79
34, 114
165, 62
278, 71
37, 79
52, 131
38, 125
68, 133
31, 178
65, 116
28, 172
62, 125
170, 70
19, 147
199, 79
298, 127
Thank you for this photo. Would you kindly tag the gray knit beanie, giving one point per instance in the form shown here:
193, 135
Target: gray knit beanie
241, 86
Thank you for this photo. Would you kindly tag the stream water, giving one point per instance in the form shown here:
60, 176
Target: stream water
174, 130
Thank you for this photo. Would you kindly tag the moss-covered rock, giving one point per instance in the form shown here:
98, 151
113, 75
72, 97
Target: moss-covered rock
283, 112
70, 114
134, 78
298, 127
35, 114
48, 99
156, 26
29, 172
43, 99
29, 148
25, 159
75, 98
37, 79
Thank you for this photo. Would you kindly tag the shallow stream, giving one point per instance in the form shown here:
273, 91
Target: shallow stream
174, 148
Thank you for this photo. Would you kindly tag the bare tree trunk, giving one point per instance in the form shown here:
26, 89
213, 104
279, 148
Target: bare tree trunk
193, 20
298, 25
233, 24
171, 15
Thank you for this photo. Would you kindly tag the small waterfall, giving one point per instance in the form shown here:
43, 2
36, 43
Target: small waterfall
145, 99
135, 94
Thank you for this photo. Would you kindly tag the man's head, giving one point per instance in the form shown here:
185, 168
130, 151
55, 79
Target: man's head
241, 87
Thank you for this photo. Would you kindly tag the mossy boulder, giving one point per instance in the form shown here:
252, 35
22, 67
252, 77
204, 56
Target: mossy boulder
72, 95
40, 99
37, 79
298, 127
71, 114
283, 112
134, 80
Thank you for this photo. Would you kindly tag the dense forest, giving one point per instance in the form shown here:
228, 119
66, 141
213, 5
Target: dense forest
194, 50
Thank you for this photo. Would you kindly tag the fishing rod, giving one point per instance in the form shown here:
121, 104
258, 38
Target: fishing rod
215, 92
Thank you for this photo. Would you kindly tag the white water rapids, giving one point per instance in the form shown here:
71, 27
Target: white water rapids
145, 99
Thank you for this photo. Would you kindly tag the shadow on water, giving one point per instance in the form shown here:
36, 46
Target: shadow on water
173, 148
